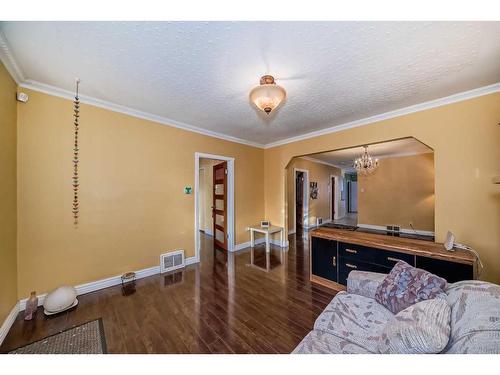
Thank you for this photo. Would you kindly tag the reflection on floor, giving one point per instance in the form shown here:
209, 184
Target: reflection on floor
268, 261
222, 305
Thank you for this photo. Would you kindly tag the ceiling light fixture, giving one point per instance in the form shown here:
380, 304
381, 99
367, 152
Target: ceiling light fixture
365, 164
268, 95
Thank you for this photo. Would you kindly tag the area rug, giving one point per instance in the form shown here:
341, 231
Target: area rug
87, 338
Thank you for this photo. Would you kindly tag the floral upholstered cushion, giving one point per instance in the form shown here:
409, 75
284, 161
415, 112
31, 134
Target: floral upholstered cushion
364, 283
475, 317
406, 285
319, 342
423, 328
354, 318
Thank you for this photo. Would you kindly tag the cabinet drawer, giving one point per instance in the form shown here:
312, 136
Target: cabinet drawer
348, 265
371, 255
324, 258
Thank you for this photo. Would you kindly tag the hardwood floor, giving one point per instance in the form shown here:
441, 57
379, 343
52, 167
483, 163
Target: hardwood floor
217, 306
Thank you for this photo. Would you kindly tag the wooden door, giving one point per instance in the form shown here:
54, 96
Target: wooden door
332, 185
219, 206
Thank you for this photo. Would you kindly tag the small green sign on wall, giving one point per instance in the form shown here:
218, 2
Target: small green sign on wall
188, 189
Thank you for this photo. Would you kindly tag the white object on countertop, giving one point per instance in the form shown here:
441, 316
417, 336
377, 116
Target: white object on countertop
59, 300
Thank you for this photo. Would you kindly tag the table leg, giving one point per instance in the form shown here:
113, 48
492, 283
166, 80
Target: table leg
267, 243
252, 238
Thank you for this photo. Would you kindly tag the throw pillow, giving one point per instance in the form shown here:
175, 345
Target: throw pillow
423, 328
406, 285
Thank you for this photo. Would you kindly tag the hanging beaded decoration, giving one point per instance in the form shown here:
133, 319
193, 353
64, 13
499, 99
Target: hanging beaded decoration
76, 181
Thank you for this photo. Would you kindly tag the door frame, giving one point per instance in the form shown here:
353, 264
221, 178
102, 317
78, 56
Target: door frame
200, 169
349, 184
230, 200
305, 200
336, 201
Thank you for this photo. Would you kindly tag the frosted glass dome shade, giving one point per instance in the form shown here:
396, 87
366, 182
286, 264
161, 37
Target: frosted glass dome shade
59, 299
268, 95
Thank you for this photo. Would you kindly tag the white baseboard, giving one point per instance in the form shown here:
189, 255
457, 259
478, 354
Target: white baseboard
259, 241
192, 260
279, 244
403, 230
314, 226
9, 320
106, 283
245, 245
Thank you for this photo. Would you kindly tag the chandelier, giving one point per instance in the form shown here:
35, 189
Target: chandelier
365, 164
268, 95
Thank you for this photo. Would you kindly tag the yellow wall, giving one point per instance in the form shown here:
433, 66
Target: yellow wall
400, 191
465, 137
319, 173
133, 172
132, 201
8, 210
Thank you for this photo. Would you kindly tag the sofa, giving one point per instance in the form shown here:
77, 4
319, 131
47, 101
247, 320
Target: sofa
353, 322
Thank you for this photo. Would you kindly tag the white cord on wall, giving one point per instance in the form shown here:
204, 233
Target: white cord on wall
470, 249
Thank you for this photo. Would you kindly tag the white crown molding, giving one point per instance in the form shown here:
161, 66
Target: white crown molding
396, 113
9, 61
402, 154
380, 157
466, 95
314, 160
15, 71
8, 322
56, 91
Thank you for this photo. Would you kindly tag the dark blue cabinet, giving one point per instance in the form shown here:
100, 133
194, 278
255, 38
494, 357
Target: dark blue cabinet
334, 260
371, 255
450, 271
348, 265
324, 258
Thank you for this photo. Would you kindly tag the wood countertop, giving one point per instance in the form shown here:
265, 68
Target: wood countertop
399, 244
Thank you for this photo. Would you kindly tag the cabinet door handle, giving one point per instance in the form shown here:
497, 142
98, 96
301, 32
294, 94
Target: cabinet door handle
351, 266
334, 261
393, 259
351, 251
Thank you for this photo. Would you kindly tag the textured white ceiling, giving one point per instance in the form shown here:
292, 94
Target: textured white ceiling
401, 147
200, 73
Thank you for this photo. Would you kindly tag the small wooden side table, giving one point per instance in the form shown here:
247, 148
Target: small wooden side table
266, 231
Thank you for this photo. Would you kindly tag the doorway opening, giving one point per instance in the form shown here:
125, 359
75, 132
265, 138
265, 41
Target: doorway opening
301, 201
352, 193
214, 202
334, 184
